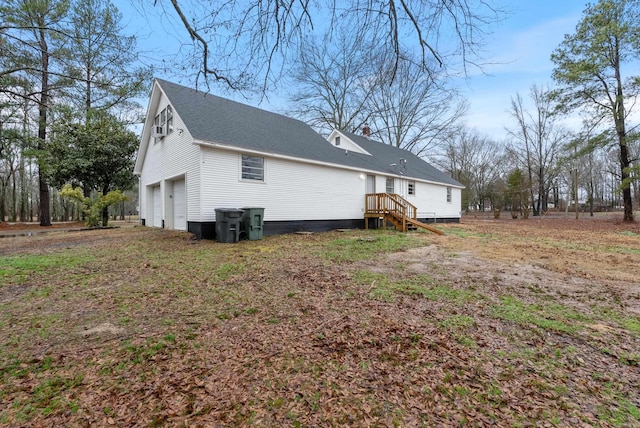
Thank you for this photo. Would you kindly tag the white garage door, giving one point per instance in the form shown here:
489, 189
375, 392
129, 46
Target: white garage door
157, 207
179, 205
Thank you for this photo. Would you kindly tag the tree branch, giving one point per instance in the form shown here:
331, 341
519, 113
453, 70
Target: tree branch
205, 47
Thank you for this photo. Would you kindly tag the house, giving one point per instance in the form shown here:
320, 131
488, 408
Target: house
199, 152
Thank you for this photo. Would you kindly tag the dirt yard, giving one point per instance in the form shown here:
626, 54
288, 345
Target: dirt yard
498, 323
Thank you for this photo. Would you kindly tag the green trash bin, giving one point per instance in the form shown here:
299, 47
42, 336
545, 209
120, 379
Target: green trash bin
228, 224
253, 222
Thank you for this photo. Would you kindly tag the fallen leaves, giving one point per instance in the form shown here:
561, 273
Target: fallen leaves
169, 332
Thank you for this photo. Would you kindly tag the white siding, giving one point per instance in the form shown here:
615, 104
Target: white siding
371, 183
301, 191
431, 200
169, 158
157, 207
179, 205
291, 190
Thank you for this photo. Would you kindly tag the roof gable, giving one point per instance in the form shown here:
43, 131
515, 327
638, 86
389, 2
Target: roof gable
341, 141
397, 161
218, 120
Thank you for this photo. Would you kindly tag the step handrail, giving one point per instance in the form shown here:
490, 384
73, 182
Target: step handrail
383, 203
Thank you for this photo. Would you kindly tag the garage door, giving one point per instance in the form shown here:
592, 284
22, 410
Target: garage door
157, 207
179, 205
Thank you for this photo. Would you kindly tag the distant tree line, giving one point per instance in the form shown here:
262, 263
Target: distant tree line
545, 165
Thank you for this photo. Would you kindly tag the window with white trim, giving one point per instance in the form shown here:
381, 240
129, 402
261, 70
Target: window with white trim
169, 119
390, 188
337, 140
448, 194
165, 117
411, 188
252, 168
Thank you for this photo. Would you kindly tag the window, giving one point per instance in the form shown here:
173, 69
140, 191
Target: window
165, 117
390, 186
156, 123
169, 119
252, 168
448, 194
337, 141
411, 188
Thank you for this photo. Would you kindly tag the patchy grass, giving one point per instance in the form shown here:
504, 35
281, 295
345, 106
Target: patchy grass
383, 288
360, 328
362, 246
16, 269
550, 316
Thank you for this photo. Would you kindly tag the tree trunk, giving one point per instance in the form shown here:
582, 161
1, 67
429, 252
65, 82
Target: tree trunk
105, 210
45, 214
627, 200
14, 196
2, 201
538, 207
24, 188
619, 116
626, 185
575, 192
591, 197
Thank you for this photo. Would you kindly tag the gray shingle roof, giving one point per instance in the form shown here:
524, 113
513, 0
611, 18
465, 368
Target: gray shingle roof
219, 120
414, 166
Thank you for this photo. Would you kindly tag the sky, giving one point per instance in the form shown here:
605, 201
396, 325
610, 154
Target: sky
521, 48
518, 49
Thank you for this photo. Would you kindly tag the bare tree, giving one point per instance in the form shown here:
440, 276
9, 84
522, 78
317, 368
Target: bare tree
345, 83
537, 143
580, 161
334, 82
415, 110
477, 162
234, 42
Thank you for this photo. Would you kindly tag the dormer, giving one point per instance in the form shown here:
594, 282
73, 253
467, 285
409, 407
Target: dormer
341, 141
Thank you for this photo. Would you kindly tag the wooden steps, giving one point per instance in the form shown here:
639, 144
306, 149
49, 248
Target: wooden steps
396, 210
417, 224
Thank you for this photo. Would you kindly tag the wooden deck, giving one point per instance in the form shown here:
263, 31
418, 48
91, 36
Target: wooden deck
394, 209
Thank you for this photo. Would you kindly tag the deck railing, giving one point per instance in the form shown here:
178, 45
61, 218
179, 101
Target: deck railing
385, 205
395, 209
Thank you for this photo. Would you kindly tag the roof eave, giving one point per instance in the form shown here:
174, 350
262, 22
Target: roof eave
223, 146
145, 137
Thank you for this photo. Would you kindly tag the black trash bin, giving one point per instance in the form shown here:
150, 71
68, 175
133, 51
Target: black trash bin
228, 224
253, 222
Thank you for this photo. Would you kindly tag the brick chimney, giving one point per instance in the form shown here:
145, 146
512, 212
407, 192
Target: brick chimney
366, 131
